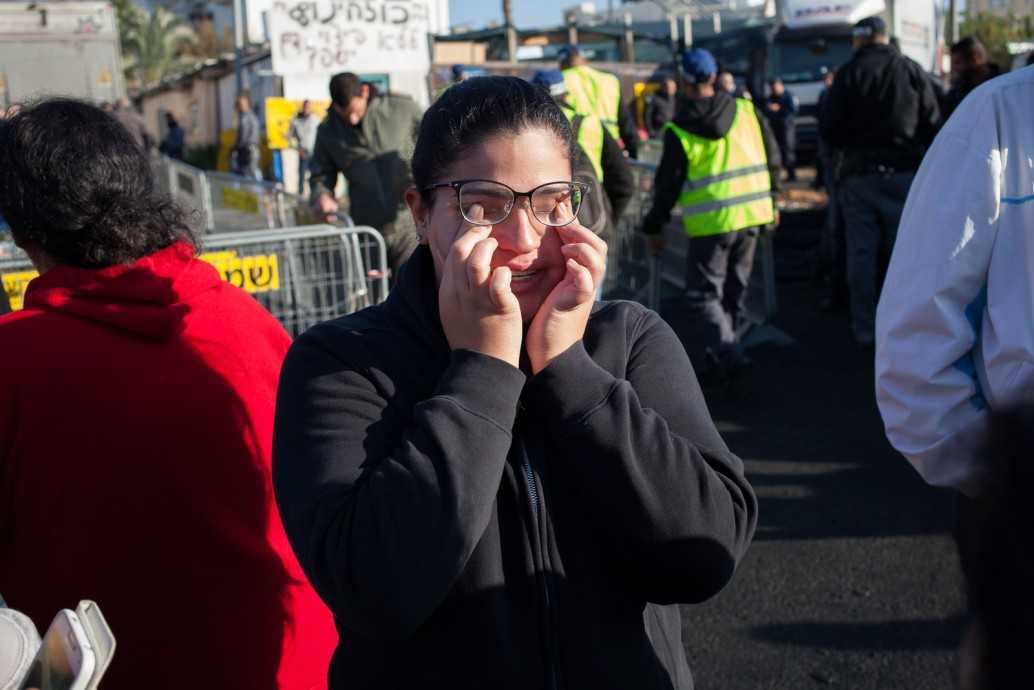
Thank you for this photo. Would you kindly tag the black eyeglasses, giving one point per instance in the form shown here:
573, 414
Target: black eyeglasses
553, 204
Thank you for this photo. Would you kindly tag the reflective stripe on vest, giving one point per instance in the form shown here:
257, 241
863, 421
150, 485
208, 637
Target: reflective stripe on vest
728, 186
591, 92
590, 138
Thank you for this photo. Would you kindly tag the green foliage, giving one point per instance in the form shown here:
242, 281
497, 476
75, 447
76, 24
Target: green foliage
995, 32
153, 46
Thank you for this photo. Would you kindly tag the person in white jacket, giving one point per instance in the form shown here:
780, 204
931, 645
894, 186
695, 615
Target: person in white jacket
955, 324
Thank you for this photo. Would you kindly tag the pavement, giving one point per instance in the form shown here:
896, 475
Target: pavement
852, 580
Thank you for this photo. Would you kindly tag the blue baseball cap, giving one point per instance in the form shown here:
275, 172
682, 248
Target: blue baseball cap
458, 71
552, 80
698, 64
870, 26
568, 50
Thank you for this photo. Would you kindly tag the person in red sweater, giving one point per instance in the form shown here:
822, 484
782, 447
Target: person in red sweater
137, 392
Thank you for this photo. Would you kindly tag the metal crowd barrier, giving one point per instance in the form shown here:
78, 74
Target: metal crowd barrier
302, 275
222, 202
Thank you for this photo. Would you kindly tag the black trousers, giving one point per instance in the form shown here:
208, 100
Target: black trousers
718, 269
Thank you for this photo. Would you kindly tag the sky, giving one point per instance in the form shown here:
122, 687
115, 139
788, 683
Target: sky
526, 13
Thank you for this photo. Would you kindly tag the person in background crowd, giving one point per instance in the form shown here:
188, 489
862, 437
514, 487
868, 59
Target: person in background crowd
302, 135
107, 107
607, 160
996, 551
954, 341
969, 69
727, 83
833, 247
136, 426
492, 478
882, 114
781, 110
721, 163
368, 137
458, 73
134, 124
173, 144
245, 153
592, 92
660, 106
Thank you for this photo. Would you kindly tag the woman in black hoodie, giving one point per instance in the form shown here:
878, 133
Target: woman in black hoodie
492, 480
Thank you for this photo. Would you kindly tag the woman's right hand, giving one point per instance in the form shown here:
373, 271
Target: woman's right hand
478, 310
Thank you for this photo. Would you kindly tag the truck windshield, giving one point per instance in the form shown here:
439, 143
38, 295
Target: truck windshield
807, 60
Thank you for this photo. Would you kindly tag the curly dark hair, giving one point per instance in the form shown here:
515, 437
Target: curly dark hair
73, 181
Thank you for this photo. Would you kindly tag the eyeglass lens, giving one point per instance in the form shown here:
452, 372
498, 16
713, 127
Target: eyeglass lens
553, 204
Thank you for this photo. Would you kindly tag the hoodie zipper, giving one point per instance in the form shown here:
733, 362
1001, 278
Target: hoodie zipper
544, 589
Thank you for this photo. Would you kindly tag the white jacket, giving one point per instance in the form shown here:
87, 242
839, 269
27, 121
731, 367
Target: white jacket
955, 323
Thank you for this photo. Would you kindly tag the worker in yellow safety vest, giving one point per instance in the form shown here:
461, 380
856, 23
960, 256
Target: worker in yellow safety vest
604, 165
592, 92
721, 164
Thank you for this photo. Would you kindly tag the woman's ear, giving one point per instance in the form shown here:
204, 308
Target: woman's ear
420, 212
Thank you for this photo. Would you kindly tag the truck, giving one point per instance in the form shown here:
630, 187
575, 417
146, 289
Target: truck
807, 38
59, 49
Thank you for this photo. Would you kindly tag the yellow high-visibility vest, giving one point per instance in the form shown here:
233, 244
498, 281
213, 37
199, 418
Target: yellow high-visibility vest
727, 184
590, 138
591, 92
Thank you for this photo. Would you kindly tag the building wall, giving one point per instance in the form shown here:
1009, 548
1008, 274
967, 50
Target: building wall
195, 107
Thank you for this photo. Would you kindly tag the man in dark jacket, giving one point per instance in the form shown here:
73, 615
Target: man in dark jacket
368, 137
781, 110
721, 254
883, 114
969, 69
660, 107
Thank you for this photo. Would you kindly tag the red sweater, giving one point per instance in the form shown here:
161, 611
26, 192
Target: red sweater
136, 417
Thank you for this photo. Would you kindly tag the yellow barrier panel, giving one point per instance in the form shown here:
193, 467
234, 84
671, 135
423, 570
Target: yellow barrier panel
14, 285
280, 112
253, 274
240, 200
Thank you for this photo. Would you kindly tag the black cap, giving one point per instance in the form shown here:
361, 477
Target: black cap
870, 26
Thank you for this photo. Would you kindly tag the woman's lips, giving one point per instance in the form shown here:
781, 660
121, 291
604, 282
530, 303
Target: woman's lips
522, 281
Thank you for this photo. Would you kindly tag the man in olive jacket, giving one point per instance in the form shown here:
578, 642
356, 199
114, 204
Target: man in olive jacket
368, 137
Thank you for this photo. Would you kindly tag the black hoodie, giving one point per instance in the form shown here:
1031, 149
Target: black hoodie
473, 526
711, 118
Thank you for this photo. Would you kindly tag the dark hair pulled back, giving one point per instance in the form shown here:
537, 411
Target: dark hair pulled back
73, 181
479, 108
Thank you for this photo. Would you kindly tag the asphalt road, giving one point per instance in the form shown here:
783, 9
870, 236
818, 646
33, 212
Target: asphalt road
852, 580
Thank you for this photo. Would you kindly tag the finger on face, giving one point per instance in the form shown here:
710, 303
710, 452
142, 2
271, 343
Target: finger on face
582, 280
467, 236
479, 264
586, 256
499, 287
576, 232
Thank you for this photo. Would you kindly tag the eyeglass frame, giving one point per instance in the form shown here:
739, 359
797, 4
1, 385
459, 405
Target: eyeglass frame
456, 184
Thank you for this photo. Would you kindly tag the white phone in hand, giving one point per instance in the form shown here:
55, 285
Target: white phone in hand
65, 660
102, 640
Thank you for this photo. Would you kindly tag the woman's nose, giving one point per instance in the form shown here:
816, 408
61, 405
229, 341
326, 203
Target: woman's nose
521, 232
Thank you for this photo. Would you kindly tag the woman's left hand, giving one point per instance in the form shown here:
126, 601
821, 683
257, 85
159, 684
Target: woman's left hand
560, 321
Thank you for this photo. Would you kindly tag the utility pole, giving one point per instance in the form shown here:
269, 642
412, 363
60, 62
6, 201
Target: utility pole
953, 22
238, 43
